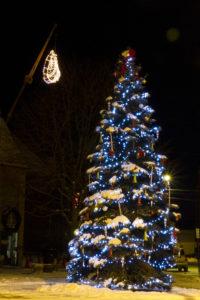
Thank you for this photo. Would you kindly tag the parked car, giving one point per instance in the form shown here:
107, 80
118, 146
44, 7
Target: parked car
181, 262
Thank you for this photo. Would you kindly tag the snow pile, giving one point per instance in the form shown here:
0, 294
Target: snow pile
126, 129
102, 111
85, 236
104, 121
150, 163
90, 156
143, 126
109, 98
115, 242
37, 290
108, 221
112, 194
86, 223
83, 211
133, 167
145, 186
147, 108
93, 170
107, 282
96, 262
97, 239
139, 223
124, 231
74, 291
117, 105
95, 196
137, 192
174, 206
116, 221
105, 208
132, 117
101, 197
120, 284
111, 129
113, 179
162, 157
92, 183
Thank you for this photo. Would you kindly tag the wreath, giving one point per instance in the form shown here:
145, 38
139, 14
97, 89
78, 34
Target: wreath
11, 219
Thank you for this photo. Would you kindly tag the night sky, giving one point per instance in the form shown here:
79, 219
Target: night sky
165, 35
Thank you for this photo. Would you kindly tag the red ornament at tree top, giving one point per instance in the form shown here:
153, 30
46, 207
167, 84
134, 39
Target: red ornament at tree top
132, 52
129, 53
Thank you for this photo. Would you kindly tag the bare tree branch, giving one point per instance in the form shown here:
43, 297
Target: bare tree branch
57, 123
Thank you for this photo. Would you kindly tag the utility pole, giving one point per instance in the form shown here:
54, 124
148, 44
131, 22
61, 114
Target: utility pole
198, 247
167, 179
29, 77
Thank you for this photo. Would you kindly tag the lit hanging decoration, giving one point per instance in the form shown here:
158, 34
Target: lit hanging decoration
140, 153
110, 253
51, 71
134, 178
145, 236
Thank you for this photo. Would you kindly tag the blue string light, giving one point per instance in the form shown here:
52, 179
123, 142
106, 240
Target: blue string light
129, 221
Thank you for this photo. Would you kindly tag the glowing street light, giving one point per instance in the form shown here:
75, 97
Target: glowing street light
167, 179
51, 71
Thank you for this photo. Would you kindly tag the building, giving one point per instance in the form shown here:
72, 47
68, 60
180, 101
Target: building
12, 198
18, 165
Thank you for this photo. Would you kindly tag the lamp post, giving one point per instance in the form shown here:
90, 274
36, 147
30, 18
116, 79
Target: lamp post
167, 179
29, 77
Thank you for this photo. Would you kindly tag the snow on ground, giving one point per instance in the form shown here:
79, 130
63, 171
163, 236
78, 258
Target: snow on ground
19, 284
70, 291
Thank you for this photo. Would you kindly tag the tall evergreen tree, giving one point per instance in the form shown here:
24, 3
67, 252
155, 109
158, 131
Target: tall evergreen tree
126, 236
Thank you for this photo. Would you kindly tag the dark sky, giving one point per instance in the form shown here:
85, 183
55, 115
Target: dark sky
165, 35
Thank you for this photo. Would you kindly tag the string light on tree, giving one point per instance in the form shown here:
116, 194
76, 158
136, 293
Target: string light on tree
51, 71
130, 226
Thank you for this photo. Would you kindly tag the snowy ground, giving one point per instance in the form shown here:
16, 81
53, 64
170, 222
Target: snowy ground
52, 286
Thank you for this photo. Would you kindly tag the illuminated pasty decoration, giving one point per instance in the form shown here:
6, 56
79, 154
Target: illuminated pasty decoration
51, 72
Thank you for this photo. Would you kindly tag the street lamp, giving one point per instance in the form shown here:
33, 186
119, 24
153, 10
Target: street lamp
167, 179
29, 77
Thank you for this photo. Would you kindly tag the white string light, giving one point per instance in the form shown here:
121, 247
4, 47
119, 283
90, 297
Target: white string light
51, 71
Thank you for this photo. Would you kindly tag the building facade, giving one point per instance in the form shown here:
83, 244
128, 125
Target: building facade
12, 198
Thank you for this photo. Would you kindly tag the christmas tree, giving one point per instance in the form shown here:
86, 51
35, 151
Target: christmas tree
126, 235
